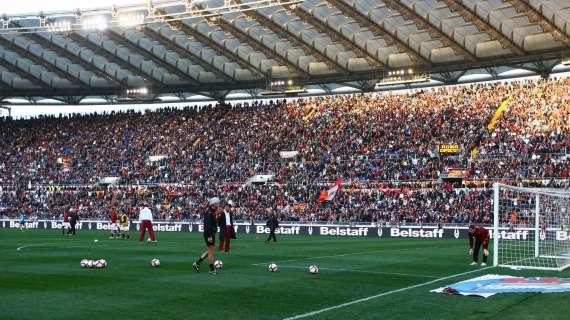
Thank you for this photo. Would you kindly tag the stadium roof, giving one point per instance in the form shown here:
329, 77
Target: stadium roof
311, 42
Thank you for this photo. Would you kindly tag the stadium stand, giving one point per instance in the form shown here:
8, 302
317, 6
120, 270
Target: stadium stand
384, 146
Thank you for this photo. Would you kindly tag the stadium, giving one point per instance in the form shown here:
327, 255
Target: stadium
285, 159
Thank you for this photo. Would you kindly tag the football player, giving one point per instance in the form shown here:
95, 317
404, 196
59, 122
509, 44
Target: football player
113, 225
210, 228
65, 225
272, 224
73, 219
124, 226
22, 220
478, 237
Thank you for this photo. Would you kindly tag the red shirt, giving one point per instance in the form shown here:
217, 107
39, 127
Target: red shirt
113, 217
65, 216
481, 234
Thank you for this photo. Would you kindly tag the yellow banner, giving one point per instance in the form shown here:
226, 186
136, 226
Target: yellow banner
474, 153
498, 113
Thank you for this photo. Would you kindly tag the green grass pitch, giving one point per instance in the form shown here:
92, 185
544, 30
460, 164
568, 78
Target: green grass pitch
43, 280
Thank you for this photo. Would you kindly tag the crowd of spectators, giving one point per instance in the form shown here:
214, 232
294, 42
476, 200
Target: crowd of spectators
424, 206
384, 146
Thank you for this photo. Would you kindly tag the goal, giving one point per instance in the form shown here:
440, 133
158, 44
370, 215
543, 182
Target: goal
531, 228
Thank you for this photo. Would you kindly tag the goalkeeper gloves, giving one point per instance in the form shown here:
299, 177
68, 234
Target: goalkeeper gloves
486, 252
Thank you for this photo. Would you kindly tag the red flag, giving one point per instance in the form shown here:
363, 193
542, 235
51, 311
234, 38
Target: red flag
329, 194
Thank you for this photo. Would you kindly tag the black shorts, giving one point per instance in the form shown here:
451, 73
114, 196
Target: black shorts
213, 240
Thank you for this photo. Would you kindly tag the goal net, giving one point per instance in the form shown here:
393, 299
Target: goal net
531, 228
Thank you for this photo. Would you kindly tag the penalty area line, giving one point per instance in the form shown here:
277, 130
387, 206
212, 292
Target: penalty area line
353, 302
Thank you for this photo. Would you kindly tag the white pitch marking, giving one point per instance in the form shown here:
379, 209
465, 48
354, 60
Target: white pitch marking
364, 271
34, 245
346, 304
48, 244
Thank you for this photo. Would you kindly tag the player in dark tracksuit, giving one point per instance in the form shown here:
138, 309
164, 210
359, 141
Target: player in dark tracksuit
73, 219
210, 229
272, 224
478, 236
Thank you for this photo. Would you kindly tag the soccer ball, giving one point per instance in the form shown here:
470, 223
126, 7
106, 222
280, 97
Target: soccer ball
99, 264
313, 269
272, 267
218, 264
155, 263
83, 263
89, 264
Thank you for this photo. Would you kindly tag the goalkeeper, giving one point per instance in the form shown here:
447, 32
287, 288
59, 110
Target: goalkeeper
478, 236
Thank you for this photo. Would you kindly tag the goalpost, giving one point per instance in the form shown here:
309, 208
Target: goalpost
531, 228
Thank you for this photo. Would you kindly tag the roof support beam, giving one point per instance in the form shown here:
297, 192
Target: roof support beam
113, 58
33, 100
73, 100
219, 95
62, 52
365, 21
536, 16
210, 43
424, 23
366, 85
471, 16
326, 88
174, 46
541, 67
254, 93
336, 36
283, 33
41, 62
119, 38
449, 77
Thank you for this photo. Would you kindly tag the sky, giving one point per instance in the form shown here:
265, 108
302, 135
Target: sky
11, 7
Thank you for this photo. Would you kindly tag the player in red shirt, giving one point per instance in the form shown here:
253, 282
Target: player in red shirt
114, 226
65, 225
478, 236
